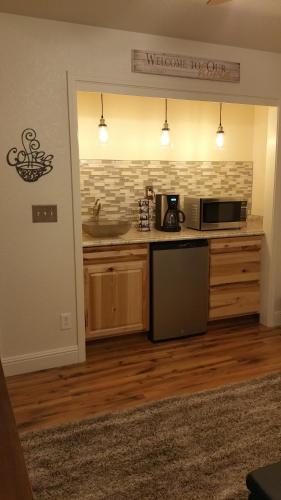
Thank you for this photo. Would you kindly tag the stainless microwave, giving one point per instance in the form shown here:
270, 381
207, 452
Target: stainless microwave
214, 213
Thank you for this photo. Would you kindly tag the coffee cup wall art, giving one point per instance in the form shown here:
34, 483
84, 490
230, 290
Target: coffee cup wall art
30, 162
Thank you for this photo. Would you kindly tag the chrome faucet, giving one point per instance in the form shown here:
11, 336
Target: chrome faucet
96, 209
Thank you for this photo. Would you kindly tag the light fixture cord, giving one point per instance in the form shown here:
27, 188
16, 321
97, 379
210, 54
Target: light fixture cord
166, 109
220, 112
101, 97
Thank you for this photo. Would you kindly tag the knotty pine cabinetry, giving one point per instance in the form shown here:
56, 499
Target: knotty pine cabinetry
234, 276
116, 290
116, 282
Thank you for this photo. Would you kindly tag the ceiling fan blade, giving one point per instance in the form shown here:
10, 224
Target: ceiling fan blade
217, 2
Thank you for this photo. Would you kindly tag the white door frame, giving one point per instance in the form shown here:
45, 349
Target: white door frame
273, 182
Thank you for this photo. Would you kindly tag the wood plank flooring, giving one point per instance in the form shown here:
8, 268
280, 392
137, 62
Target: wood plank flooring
128, 371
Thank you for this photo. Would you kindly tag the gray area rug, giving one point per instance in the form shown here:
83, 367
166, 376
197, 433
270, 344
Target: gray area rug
194, 447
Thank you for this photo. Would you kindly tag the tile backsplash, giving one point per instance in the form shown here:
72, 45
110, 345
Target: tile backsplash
118, 184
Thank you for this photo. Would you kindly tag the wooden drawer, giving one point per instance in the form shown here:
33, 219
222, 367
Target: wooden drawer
234, 300
234, 267
118, 253
239, 244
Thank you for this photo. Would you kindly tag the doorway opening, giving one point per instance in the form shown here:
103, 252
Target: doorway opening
134, 122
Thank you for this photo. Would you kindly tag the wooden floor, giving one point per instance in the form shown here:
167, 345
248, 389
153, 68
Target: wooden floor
127, 371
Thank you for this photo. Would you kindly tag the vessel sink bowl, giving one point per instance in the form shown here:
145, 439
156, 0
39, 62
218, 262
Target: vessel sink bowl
106, 229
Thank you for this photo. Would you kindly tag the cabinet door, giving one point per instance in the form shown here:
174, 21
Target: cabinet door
116, 298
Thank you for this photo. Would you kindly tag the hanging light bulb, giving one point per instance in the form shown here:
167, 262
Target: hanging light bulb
165, 134
220, 132
103, 133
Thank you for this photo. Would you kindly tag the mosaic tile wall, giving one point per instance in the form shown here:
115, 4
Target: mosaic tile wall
118, 184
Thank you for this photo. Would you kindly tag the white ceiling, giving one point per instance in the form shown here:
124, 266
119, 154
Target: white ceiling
244, 23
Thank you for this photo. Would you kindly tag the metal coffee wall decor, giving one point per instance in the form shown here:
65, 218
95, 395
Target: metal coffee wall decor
30, 162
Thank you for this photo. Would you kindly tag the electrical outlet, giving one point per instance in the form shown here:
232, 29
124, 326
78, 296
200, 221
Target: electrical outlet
44, 213
65, 321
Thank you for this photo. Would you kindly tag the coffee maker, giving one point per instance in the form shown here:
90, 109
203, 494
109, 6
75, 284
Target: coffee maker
168, 216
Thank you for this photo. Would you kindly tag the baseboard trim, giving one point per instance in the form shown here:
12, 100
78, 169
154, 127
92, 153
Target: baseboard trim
277, 318
42, 360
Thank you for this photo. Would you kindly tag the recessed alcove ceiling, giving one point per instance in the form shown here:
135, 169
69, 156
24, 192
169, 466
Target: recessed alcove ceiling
251, 24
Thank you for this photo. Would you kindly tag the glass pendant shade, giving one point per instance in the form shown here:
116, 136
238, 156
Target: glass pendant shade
220, 132
165, 133
220, 138
103, 132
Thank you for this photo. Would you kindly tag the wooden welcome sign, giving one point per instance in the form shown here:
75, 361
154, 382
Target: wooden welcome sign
159, 63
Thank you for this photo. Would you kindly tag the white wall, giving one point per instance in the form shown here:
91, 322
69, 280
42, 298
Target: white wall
270, 300
135, 123
37, 261
259, 158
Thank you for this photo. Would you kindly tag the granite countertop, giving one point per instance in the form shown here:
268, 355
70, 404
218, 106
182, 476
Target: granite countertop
252, 228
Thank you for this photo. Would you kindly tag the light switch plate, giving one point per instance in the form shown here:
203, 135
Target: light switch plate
44, 213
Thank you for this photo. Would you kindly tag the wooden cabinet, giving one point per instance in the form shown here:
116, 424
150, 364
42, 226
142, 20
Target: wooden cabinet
116, 290
116, 284
234, 276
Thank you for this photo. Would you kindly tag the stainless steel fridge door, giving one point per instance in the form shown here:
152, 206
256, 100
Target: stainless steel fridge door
179, 289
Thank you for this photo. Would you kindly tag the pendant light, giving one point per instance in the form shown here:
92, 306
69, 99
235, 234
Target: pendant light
220, 132
165, 134
103, 133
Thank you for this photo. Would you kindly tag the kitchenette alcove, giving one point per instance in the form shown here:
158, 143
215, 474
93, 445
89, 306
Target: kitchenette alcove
114, 175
